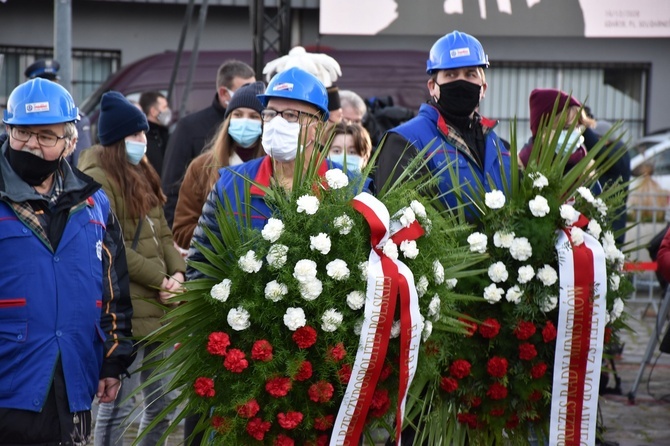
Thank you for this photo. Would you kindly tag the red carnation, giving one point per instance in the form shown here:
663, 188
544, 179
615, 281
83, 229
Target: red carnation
321, 392
204, 387
304, 371
380, 403
549, 332
498, 412
257, 428
283, 440
527, 352
322, 440
235, 361
473, 401
497, 367
468, 418
248, 409
289, 420
344, 374
497, 391
538, 370
324, 423
386, 372
535, 395
512, 422
608, 335
337, 352
460, 368
218, 343
448, 384
278, 387
469, 326
261, 351
221, 424
305, 337
431, 348
524, 330
490, 328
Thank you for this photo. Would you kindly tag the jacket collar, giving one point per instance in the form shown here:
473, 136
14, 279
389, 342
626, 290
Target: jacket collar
264, 175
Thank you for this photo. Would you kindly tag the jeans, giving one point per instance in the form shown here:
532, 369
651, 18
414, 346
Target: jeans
114, 418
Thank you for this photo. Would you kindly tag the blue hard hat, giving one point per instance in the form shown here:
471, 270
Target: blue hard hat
298, 85
39, 102
456, 50
44, 68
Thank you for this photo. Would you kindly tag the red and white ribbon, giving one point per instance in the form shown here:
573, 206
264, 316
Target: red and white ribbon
387, 278
579, 342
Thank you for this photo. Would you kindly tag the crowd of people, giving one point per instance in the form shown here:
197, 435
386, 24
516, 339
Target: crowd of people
95, 238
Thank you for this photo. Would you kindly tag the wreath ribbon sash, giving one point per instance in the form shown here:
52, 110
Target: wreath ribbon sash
579, 342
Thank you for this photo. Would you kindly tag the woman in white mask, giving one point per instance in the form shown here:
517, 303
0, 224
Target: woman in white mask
237, 140
350, 147
156, 270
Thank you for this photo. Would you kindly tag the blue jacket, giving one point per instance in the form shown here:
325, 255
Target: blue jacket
71, 301
230, 186
429, 129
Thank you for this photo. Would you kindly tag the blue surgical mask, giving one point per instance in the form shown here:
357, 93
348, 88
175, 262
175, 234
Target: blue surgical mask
572, 139
135, 151
353, 162
245, 131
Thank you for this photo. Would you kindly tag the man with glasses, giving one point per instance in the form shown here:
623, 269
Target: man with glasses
64, 294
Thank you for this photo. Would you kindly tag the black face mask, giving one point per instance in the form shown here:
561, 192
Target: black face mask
31, 168
459, 98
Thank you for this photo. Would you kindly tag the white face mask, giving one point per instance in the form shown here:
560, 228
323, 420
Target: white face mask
573, 138
165, 117
281, 138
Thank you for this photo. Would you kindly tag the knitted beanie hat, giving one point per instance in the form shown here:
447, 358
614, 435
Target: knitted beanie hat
542, 102
119, 118
245, 96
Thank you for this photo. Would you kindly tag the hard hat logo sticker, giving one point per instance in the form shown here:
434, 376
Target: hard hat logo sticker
283, 86
37, 107
459, 52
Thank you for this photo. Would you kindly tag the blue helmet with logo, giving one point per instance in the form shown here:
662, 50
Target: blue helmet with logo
456, 50
39, 102
298, 85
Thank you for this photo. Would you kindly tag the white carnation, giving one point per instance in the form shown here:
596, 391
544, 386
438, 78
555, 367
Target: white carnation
478, 242
249, 263
434, 307
427, 330
594, 228
363, 268
336, 179
498, 272
395, 329
356, 300
586, 194
294, 318
308, 204
577, 236
358, 326
409, 249
451, 283
304, 270
549, 304
221, 291
272, 230
277, 256
238, 319
311, 289
526, 273
331, 320
438, 272
539, 180
418, 208
274, 291
503, 239
320, 243
617, 309
600, 206
539, 206
547, 275
494, 199
421, 286
344, 224
390, 250
493, 294
337, 269
569, 214
407, 217
514, 294
521, 249
615, 281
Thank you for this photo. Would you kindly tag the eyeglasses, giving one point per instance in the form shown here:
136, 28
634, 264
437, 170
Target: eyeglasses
43, 139
268, 115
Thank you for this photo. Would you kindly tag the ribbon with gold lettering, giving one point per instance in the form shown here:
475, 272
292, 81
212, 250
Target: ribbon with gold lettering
579, 342
386, 279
